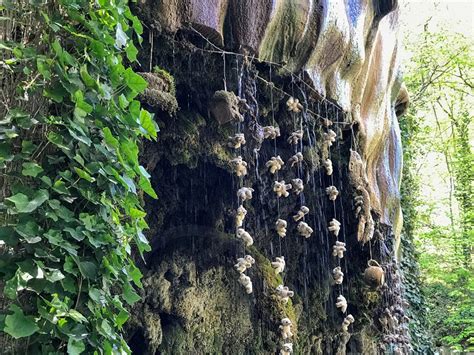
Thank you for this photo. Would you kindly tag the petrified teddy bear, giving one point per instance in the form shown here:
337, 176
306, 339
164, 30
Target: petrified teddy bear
239, 165
226, 106
328, 166
338, 249
337, 275
304, 229
358, 179
295, 159
295, 137
286, 349
281, 188
294, 105
284, 293
280, 226
346, 322
245, 193
301, 213
332, 192
297, 185
271, 132
334, 227
236, 141
341, 303
240, 216
274, 164
285, 328
244, 263
329, 137
279, 264
245, 236
245, 281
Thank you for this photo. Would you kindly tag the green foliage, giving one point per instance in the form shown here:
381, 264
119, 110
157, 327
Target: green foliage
437, 190
69, 139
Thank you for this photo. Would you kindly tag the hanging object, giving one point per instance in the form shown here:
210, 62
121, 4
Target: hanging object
337, 275
294, 105
280, 226
284, 293
328, 166
271, 132
286, 349
304, 229
374, 276
329, 137
347, 322
359, 181
274, 164
240, 166
301, 213
279, 264
338, 249
285, 328
225, 107
334, 227
245, 193
245, 281
297, 185
332, 193
295, 137
245, 236
244, 263
240, 216
295, 159
341, 303
281, 188
236, 141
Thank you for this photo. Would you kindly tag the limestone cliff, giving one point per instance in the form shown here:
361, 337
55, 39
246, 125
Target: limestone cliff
239, 66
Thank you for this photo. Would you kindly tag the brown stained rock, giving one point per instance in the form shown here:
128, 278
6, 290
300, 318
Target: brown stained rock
225, 107
207, 17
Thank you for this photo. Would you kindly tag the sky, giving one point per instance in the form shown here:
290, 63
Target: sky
458, 15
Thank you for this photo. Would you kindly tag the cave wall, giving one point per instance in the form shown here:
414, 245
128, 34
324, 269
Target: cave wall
340, 59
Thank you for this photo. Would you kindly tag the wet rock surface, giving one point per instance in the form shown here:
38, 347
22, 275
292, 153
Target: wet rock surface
193, 302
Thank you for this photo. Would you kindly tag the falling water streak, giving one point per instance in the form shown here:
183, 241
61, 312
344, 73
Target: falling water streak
225, 79
340, 187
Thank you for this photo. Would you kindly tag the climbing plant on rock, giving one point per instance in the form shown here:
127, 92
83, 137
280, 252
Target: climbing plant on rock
71, 181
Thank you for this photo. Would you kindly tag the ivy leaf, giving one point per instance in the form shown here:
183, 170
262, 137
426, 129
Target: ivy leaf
88, 269
145, 185
84, 174
31, 169
86, 78
29, 230
131, 52
109, 138
18, 325
147, 124
77, 316
24, 205
129, 295
75, 347
134, 81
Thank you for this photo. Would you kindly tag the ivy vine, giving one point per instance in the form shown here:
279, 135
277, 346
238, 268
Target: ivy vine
70, 211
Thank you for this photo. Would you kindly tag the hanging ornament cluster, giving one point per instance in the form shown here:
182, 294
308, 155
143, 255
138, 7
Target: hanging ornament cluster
334, 226
239, 167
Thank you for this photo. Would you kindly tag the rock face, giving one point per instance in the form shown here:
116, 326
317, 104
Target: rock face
340, 60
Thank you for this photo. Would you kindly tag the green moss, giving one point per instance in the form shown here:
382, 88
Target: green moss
167, 77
